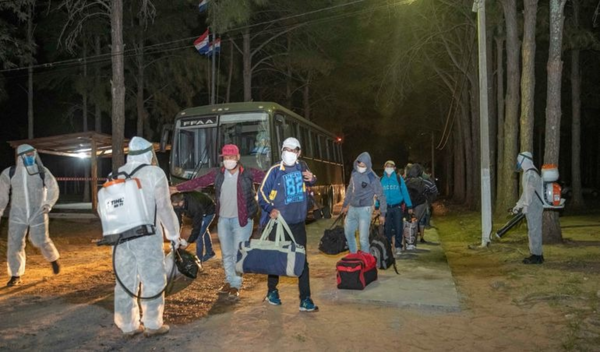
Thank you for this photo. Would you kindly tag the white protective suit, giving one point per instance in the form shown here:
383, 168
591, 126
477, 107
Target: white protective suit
530, 202
29, 204
142, 260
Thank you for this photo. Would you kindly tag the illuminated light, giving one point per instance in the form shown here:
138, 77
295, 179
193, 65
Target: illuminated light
338, 139
81, 155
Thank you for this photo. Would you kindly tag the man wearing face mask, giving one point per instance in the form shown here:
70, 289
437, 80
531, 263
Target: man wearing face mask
396, 196
364, 186
531, 205
236, 206
283, 193
33, 191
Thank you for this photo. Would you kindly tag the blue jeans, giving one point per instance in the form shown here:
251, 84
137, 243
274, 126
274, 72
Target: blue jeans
394, 222
231, 234
204, 240
358, 218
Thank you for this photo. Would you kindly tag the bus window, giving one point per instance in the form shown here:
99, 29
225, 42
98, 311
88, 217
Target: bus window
338, 153
292, 129
252, 138
305, 142
323, 148
331, 151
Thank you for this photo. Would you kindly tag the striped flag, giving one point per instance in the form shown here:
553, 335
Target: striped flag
203, 5
215, 45
202, 42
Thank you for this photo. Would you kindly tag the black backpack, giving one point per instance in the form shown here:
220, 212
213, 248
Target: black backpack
334, 239
381, 249
416, 190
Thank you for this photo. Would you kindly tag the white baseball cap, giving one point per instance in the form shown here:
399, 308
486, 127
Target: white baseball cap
291, 143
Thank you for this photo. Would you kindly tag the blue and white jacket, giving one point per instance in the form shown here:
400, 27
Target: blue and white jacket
284, 189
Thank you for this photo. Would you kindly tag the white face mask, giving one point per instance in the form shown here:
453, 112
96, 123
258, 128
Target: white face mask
360, 169
389, 170
230, 164
289, 158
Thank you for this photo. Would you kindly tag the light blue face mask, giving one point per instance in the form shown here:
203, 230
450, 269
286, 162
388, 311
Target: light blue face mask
29, 160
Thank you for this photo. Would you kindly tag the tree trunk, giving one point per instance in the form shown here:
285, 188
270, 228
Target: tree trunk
247, 66
139, 97
500, 107
306, 98
230, 73
507, 180
577, 200
86, 184
288, 78
474, 167
118, 84
458, 193
528, 77
98, 111
30, 9
551, 225
492, 119
467, 144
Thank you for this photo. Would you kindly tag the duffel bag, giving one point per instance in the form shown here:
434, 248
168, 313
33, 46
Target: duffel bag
279, 257
356, 270
334, 239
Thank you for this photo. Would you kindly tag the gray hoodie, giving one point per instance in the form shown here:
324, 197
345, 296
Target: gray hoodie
363, 187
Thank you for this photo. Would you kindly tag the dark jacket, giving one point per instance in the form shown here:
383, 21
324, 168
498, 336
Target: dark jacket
246, 197
196, 206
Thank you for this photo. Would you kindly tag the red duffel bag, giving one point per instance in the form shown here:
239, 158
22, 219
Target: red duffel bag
356, 270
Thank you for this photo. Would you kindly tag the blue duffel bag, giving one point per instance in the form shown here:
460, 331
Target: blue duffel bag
279, 257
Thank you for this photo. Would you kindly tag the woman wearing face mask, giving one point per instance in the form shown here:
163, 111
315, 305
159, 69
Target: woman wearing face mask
236, 209
358, 205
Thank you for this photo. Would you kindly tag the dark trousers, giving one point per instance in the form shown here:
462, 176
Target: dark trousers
299, 232
394, 222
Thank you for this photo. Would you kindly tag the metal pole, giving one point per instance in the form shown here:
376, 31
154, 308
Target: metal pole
212, 70
486, 201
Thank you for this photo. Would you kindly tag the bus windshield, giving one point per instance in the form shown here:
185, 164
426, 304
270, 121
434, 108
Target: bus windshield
198, 142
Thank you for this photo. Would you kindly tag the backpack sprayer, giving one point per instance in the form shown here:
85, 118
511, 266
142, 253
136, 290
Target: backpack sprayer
549, 195
124, 216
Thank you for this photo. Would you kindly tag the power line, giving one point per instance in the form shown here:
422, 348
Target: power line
149, 49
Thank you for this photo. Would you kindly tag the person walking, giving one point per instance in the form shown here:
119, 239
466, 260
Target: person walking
140, 262
32, 191
236, 206
420, 190
283, 193
200, 208
530, 204
358, 204
397, 199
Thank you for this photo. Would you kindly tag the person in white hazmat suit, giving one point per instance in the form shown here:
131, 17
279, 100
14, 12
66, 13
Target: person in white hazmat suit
141, 261
33, 191
531, 205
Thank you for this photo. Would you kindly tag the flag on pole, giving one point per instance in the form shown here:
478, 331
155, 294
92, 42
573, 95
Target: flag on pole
214, 45
203, 5
201, 43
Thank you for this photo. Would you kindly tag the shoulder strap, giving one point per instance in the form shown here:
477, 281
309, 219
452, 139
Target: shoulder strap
137, 169
11, 171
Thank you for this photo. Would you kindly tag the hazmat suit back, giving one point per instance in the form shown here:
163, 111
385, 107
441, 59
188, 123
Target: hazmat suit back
28, 198
141, 260
530, 202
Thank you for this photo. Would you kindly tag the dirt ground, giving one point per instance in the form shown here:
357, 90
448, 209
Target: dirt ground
505, 306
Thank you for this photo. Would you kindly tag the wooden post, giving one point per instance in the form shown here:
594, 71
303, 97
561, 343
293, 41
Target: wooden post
94, 173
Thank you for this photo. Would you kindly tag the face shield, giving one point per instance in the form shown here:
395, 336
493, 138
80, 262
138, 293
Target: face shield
31, 161
523, 160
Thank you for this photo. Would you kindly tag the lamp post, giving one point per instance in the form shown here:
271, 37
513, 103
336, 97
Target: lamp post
486, 201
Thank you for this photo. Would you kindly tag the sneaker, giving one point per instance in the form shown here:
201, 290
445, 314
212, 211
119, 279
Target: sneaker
225, 289
156, 332
273, 298
307, 305
534, 259
55, 267
208, 256
234, 294
14, 281
411, 247
131, 334
398, 251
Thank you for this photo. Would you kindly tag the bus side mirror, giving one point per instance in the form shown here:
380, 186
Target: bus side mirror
165, 135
